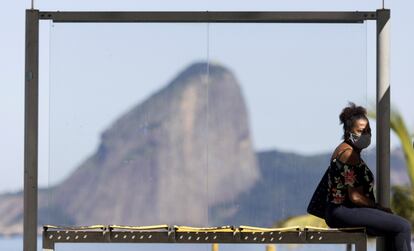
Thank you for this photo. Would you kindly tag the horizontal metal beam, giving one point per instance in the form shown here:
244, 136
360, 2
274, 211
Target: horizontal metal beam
201, 237
210, 17
108, 235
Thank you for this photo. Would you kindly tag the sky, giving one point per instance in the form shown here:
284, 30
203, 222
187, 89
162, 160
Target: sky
327, 52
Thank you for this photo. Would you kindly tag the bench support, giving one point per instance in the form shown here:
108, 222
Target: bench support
109, 234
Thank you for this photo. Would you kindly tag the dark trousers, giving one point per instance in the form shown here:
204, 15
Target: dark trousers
396, 229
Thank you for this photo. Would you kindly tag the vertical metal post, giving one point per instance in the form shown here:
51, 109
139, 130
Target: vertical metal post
31, 131
361, 245
383, 113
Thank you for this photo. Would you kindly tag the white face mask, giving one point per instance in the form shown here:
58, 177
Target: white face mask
360, 141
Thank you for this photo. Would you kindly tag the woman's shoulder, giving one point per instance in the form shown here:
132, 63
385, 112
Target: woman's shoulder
346, 154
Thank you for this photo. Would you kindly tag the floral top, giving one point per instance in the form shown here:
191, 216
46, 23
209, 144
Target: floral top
341, 176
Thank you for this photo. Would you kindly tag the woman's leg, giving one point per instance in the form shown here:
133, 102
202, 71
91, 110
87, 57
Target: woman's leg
377, 222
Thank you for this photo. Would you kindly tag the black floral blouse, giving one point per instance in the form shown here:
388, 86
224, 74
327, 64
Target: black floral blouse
341, 176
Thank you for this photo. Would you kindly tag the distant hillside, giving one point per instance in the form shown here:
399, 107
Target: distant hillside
288, 181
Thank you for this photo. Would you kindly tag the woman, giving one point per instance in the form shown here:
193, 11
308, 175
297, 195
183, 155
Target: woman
351, 201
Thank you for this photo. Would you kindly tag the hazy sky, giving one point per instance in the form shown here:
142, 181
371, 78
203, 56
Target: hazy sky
336, 59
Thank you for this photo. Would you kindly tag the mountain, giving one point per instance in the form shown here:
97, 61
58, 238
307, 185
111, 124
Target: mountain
152, 162
183, 156
156, 161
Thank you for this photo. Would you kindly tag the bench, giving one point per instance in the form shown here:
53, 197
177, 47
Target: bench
186, 234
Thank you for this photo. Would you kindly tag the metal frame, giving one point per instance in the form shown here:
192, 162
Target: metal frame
108, 234
383, 107
212, 17
31, 118
382, 17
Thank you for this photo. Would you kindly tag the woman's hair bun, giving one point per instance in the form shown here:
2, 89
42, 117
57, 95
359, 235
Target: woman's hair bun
349, 115
350, 111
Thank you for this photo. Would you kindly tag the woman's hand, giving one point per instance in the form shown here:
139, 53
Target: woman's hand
385, 209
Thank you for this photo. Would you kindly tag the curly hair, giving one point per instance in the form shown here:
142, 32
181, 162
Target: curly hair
349, 115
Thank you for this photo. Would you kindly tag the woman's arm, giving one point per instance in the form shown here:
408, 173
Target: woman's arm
356, 194
358, 198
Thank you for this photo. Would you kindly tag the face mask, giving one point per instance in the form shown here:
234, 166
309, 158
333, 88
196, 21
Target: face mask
360, 141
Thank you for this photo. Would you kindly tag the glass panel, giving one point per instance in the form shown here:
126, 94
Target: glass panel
294, 80
120, 94
195, 124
